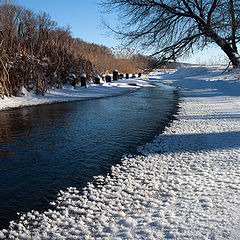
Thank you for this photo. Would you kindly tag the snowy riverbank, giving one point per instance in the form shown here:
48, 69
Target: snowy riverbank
183, 185
68, 93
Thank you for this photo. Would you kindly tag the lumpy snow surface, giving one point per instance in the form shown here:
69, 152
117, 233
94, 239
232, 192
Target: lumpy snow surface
183, 185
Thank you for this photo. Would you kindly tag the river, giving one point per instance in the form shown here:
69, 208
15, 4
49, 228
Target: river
47, 148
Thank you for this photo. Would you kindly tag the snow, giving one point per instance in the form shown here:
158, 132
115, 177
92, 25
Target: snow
83, 75
183, 185
96, 76
68, 93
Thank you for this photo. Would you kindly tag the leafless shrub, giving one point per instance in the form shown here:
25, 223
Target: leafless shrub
37, 54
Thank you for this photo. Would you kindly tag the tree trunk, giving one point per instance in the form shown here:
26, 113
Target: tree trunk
233, 25
232, 54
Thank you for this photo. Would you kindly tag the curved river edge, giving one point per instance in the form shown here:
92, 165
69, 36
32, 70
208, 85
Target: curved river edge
186, 186
68, 93
162, 128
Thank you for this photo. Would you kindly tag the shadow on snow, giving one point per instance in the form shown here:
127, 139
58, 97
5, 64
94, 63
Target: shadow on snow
196, 142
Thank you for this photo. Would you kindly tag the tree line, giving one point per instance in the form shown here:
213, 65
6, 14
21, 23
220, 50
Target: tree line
38, 54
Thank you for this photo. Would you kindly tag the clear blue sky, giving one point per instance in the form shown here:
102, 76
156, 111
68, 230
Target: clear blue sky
84, 19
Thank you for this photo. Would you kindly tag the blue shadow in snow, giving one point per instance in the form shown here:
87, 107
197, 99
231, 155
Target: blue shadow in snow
213, 116
199, 142
210, 88
204, 88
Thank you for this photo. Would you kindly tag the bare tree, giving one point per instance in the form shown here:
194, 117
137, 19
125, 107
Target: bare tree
173, 28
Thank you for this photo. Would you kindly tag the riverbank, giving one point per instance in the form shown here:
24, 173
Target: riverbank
68, 93
183, 185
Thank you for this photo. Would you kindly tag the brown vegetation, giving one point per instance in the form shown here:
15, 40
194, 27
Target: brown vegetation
37, 54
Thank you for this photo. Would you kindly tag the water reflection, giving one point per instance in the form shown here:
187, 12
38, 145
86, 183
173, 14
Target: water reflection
47, 148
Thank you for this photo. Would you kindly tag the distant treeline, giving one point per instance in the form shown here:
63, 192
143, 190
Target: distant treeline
38, 54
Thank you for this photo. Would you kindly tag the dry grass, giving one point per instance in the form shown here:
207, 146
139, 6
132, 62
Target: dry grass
36, 53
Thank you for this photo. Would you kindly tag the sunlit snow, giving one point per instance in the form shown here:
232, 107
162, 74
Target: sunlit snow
183, 185
68, 93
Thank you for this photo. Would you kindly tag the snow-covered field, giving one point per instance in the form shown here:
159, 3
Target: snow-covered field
183, 185
68, 93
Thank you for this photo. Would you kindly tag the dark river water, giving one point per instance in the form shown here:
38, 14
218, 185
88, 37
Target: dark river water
47, 148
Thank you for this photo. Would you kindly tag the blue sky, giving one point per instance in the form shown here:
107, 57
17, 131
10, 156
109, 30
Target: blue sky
84, 19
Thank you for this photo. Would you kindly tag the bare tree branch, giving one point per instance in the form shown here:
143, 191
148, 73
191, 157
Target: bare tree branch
180, 26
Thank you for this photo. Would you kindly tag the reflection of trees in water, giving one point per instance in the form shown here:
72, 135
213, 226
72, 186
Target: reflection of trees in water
11, 125
25, 122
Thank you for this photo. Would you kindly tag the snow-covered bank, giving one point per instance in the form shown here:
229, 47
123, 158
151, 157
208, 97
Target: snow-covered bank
184, 185
68, 93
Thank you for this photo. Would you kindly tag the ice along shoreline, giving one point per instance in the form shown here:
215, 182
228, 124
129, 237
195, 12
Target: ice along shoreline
68, 93
183, 185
